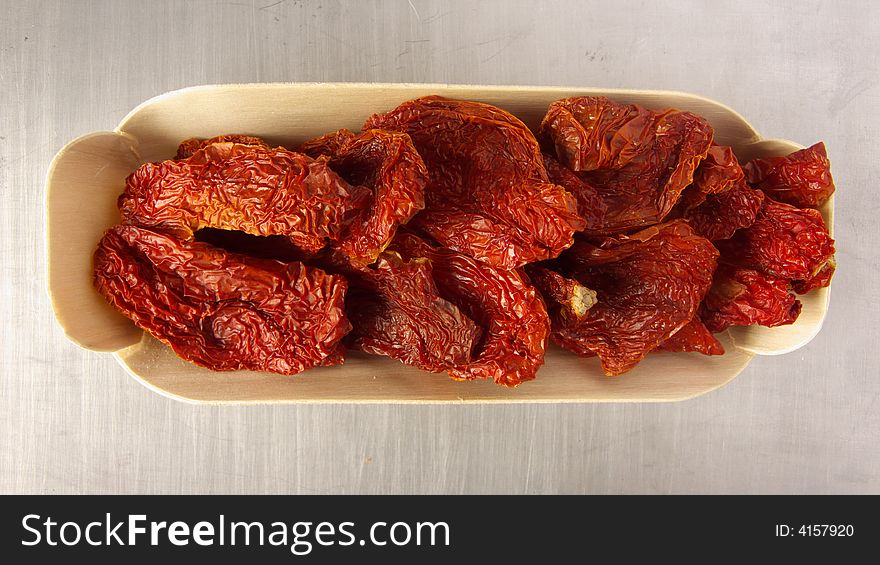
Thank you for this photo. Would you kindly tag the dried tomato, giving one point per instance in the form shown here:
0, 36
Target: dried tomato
718, 172
566, 299
590, 205
692, 338
648, 286
512, 317
188, 147
639, 160
289, 247
820, 280
243, 187
329, 145
591, 133
802, 179
222, 310
396, 310
784, 241
742, 297
720, 215
388, 164
488, 195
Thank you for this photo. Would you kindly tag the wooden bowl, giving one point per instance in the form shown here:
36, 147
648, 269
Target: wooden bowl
88, 174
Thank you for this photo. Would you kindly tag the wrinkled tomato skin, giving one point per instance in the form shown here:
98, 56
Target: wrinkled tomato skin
488, 196
692, 338
820, 280
396, 310
802, 179
189, 147
720, 215
388, 165
249, 188
743, 297
648, 285
222, 310
566, 299
590, 205
639, 160
784, 242
514, 321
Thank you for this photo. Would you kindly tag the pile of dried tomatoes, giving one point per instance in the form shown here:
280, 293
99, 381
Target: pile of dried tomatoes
450, 237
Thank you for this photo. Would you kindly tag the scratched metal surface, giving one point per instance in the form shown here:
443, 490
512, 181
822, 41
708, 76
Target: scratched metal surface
72, 422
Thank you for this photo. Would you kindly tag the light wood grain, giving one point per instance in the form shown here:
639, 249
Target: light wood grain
73, 421
368, 379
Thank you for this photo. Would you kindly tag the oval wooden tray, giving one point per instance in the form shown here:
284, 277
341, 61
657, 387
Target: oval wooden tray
88, 174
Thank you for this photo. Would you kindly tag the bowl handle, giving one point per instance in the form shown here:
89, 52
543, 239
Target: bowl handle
84, 179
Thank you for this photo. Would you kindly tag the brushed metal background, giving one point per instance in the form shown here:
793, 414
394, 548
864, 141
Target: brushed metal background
71, 421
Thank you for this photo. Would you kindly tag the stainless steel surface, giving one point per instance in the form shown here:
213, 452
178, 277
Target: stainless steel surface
72, 421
